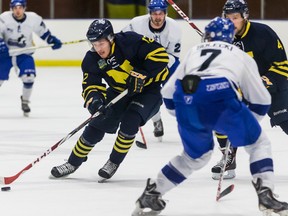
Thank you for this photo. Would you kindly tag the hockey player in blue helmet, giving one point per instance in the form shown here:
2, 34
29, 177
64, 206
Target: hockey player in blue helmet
270, 56
166, 31
17, 29
202, 94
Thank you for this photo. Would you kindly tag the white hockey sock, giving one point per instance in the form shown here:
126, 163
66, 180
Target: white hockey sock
156, 117
26, 93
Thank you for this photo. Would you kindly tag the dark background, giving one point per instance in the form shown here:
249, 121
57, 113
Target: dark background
201, 9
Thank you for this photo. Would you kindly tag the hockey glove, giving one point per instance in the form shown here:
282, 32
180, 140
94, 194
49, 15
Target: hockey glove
135, 83
4, 51
268, 84
95, 104
54, 40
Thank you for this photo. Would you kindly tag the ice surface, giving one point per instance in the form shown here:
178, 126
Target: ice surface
57, 108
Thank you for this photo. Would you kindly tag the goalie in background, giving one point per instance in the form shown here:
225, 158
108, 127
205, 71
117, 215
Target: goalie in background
167, 32
16, 31
125, 60
203, 95
271, 59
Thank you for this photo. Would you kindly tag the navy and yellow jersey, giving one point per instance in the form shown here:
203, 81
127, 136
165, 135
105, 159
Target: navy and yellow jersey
263, 44
129, 52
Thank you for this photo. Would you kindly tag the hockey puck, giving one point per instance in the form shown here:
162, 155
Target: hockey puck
5, 188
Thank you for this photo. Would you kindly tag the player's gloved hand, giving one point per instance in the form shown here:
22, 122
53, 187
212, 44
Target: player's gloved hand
4, 50
95, 104
268, 84
54, 40
135, 83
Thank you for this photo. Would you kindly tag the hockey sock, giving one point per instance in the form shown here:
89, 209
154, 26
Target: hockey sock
222, 140
79, 152
121, 147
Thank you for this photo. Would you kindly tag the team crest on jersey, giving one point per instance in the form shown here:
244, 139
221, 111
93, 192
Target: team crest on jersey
102, 64
112, 62
188, 99
239, 44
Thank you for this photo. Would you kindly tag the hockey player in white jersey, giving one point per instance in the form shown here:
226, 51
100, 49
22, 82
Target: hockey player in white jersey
164, 30
16, 31
204, 95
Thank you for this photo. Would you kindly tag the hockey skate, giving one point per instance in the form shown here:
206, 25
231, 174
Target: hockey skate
63, 170
107, 171
150, 199
230, 166
267, 202
25, 107
158, 129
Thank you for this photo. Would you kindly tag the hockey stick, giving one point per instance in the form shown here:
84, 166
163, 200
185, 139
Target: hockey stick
185, 17
10, 179
230, 188
44, 46
141, 144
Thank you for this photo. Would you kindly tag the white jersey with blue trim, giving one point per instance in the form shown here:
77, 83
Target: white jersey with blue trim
17, 34
169, 38
219, 59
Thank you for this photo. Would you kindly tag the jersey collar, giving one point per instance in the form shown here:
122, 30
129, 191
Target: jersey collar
248, 24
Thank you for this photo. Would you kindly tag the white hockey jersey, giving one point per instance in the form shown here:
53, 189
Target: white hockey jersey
220, 59
20, 34
169, 38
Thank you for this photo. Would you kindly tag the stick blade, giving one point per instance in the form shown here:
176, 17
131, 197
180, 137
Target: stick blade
141, 145
228, 190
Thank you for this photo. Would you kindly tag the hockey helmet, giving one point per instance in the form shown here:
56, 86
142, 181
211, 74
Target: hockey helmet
219, 29
236, 6
156, 5
15, 3
98, 29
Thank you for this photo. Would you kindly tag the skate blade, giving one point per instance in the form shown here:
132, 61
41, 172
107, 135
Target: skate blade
229, 174
266, 212
26, 114
269, 212
283, 213
160, 139
138, 211
102, 180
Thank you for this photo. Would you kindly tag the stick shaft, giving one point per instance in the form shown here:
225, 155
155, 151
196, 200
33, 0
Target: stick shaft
11, 51
142, 135
10, 179
185, 17
222, 170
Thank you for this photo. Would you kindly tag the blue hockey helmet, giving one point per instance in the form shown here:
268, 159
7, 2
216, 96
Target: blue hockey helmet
236, 6
156, 5
219, 29
98, 29
15, 3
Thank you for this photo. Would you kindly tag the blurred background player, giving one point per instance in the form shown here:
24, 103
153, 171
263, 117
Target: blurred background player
263, 44
124, 60
164, 30
203, 94
16, 31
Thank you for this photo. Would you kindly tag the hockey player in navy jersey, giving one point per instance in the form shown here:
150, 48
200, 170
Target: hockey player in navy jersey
124, 60
203, 94
16, 31
263, 44
167, 32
